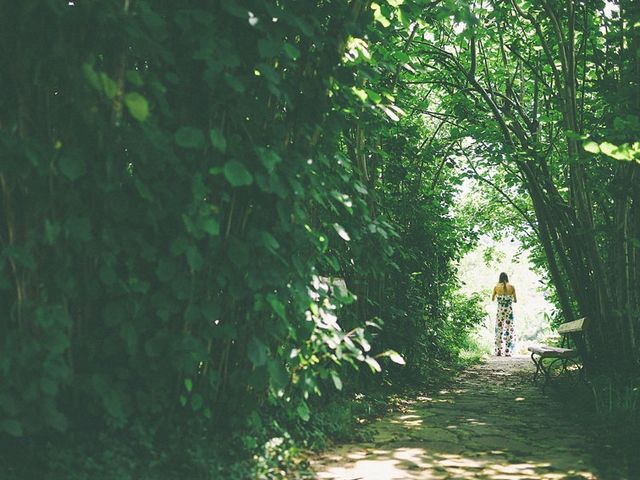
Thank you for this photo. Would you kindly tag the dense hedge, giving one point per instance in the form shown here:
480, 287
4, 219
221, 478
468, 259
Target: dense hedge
179, 185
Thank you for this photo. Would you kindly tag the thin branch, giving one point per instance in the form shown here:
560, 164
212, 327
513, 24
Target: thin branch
501, 192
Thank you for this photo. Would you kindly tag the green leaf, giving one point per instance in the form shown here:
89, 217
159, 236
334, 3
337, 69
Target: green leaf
109, 86
277, 306
378, 16
12, 427
91, 75
211, 226
194, 259
137, 105
269, 241
278, 374
56, 420
591, 147
361, 94
166, 269
217, 140
303, 411
72, 167
257, 352
183, 400
189, 137
374, 96
188, 384
237, 174
373, 364
622, 152
342, 232
291, 50
390, 113
134, 77
269, 158
394, 357
336, 380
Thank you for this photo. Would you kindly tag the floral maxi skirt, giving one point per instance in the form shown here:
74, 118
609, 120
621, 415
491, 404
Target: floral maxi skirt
505, 333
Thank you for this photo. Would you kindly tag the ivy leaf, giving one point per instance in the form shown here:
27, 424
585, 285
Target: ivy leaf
394, 357
72, 167
134, 77
375, 97
378, 16
291, 50
390, 113
189, 137
336, 380
137, 105
342, 232
277, 306
188, 384
269, 241
237, 174
303, 411
217, 140
211, 226
622, 152
257, 352
269, 158
361, 94
373, 364
56, 419
278, 374
109, 86
194, 259
592, 147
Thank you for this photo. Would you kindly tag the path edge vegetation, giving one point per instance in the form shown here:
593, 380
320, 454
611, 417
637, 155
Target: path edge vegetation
181, 186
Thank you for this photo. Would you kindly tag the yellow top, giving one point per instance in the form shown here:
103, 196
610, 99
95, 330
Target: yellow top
500, 289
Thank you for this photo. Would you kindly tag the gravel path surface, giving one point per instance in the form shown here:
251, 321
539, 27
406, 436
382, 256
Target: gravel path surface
491, 423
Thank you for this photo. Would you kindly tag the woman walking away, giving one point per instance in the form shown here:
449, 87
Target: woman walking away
505, 333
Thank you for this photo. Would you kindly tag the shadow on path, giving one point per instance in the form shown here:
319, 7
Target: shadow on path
492, 423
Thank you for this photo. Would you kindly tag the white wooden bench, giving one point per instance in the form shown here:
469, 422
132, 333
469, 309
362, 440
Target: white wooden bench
569, 358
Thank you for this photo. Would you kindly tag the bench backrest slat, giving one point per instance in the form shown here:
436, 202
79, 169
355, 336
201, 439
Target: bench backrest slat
571, 327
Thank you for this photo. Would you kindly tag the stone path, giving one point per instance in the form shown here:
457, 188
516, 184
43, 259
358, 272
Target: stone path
492, 423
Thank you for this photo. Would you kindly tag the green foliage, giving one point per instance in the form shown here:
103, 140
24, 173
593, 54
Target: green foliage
167, 243
214, 211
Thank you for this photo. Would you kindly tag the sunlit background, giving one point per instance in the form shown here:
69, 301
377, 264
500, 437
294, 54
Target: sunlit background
478, 272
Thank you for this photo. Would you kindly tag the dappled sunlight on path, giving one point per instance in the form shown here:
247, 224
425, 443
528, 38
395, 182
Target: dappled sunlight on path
492, 423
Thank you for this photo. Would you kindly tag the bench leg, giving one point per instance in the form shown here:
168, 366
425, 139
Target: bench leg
547, 371
547, 374
538, 369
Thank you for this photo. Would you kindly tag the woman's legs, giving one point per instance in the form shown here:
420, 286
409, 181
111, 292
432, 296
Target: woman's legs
508, 333
499, 335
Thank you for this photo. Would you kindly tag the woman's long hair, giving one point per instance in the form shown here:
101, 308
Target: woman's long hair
504, 279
